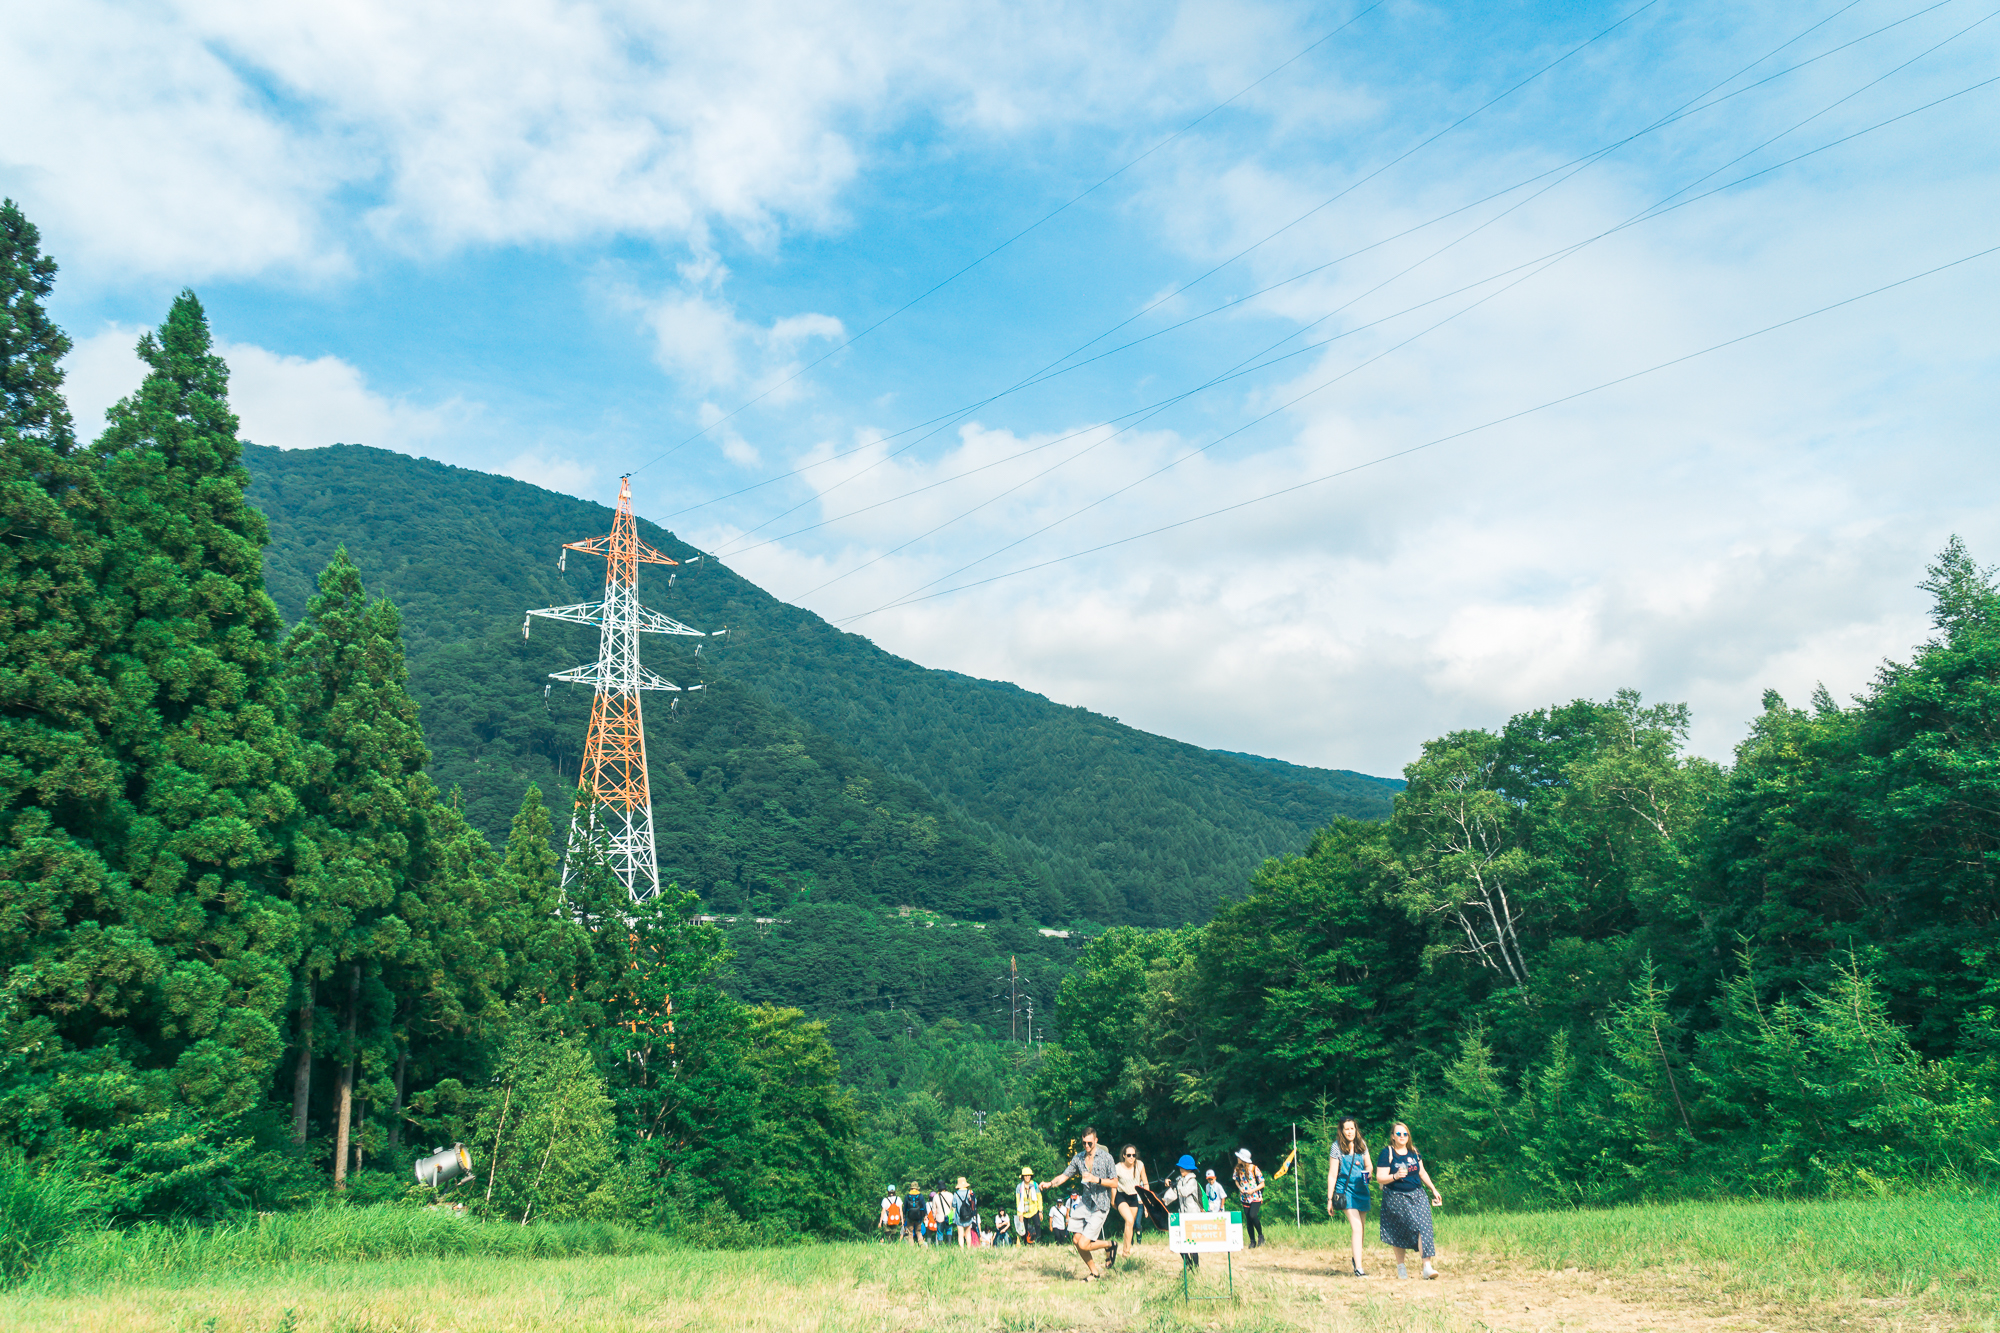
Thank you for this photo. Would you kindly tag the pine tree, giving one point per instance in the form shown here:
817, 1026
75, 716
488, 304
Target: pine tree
365, 801
449, 980
203, 819
72, 970
548, 949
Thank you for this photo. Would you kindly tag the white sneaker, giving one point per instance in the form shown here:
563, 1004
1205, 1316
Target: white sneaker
1428, 1270
1402, 1270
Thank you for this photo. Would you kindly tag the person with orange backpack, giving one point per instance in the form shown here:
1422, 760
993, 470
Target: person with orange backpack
891, 1221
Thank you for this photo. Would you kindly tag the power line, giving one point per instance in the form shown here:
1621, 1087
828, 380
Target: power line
1038, 222
1324, 204
1442, 439
1537, 266
1056, 368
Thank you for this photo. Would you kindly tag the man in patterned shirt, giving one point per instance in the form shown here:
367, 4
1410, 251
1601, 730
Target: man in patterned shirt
1093, 1166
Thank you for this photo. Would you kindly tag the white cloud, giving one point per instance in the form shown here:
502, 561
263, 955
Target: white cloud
225, 137
292, 402
699, 339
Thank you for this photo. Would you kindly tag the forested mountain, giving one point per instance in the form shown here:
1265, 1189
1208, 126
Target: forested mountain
1037, 810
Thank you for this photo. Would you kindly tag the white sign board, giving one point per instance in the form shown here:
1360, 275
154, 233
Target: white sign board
1204, 1233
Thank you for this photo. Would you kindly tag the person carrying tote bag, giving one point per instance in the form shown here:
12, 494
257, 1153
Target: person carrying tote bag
1347, 1183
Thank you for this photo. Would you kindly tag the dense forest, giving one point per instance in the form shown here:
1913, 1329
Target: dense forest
1589, 967
279, 910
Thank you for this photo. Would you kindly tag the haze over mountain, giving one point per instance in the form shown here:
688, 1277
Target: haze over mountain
813, 764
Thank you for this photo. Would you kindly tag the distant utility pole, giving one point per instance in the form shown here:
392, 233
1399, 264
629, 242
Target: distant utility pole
613, 818
1013, 999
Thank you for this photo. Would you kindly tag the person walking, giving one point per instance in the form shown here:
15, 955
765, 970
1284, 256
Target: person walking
1406, 1214
1213, 1196
1027, 1208
1250, 1191
1184, 1195
891, 1219
1347, 1164
1093, 1168
913, 1213
935, 1212
1131, 1173
965, 1213
1003, 1227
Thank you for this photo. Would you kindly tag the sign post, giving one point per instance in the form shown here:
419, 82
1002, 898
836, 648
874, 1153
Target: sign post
1206, 1233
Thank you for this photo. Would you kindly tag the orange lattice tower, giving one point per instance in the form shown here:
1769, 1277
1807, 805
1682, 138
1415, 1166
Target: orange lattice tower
613, 820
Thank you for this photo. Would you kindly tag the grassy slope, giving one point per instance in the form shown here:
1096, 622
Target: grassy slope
1914, 1262
1134, 827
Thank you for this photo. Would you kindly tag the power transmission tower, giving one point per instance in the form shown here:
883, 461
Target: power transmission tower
613, 819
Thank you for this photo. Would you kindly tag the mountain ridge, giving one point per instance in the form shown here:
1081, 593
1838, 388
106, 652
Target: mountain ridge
1097, 820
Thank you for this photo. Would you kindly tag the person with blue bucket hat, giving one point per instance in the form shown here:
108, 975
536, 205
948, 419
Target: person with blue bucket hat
1183, 1195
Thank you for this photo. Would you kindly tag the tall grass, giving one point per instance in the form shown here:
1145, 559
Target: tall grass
1939, 1244
328, 1235
40, 1212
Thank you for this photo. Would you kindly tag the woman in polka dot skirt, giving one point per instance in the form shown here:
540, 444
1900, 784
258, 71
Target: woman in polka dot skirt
1406, 1214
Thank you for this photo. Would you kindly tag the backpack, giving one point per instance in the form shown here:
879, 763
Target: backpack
968, 1208
895, 1212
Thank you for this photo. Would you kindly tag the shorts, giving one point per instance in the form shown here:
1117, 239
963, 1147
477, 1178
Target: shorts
1093, 1224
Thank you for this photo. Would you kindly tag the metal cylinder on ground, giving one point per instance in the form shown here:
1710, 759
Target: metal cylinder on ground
444, 1166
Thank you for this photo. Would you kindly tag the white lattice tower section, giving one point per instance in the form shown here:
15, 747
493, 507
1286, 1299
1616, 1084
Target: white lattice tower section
613, 819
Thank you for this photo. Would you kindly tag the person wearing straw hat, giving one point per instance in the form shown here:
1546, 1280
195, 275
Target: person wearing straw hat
965, 1213
1250, 1191
1028, 1208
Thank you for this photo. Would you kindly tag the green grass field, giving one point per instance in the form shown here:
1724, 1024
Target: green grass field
1896, 1263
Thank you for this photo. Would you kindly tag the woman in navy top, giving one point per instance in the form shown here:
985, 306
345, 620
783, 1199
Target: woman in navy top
1347, 1182
1406, 1214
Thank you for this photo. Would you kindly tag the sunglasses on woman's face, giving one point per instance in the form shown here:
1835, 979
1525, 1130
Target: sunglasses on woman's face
1399, 1136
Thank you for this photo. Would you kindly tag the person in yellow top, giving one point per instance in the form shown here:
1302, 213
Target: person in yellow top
1028, 1207
1250, 1192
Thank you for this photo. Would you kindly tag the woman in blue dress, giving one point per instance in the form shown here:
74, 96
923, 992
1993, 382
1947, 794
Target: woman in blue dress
1347, 1182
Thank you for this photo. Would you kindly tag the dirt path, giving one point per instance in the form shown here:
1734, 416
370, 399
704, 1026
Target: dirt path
1487, 1294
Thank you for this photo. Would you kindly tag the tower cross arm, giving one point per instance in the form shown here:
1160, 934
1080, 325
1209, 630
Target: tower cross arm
648, 621
582, 613
641, 553
594, 674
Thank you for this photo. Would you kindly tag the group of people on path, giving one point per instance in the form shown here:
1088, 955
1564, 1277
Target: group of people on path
940, 1216
1107, 1186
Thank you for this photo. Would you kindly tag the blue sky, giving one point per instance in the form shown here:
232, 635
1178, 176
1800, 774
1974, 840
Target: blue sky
558, 239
